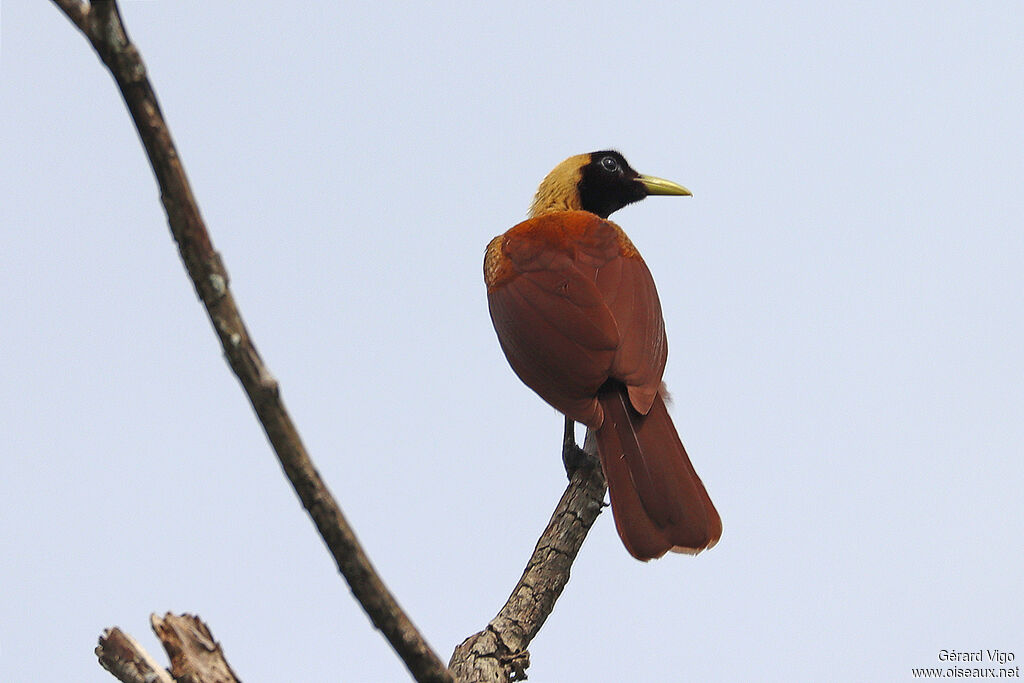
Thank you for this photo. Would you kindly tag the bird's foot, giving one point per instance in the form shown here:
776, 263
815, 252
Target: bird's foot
573, 457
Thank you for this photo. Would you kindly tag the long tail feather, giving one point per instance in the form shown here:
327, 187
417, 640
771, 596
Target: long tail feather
658, 501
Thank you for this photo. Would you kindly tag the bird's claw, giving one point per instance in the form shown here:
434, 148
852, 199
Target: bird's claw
575, 458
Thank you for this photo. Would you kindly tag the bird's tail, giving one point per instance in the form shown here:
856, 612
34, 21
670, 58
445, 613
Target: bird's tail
658, 501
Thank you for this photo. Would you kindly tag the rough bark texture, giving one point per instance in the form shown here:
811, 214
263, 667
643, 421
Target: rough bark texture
127, 661
195, 656
498, 653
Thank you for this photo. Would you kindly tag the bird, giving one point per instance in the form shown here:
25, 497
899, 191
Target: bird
579, 320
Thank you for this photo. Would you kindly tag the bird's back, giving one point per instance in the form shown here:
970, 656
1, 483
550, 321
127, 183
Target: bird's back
574, 307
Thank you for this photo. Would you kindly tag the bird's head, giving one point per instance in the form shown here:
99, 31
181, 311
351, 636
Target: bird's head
599, 182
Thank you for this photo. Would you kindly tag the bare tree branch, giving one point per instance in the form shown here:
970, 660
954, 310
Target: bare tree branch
195, 656
498, 653
76, 10
101, 23
127, 661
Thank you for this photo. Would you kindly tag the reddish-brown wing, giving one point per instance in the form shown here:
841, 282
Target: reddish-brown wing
573, 305
628, 290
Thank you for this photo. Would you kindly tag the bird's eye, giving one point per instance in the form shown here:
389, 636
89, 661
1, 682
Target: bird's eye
609, 164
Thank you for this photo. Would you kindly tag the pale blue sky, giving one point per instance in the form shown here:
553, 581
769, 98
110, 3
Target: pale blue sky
843, 299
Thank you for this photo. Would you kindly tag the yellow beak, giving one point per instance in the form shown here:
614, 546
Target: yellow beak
662, 186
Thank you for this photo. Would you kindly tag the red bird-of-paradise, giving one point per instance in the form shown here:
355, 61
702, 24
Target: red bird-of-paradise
579, 319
